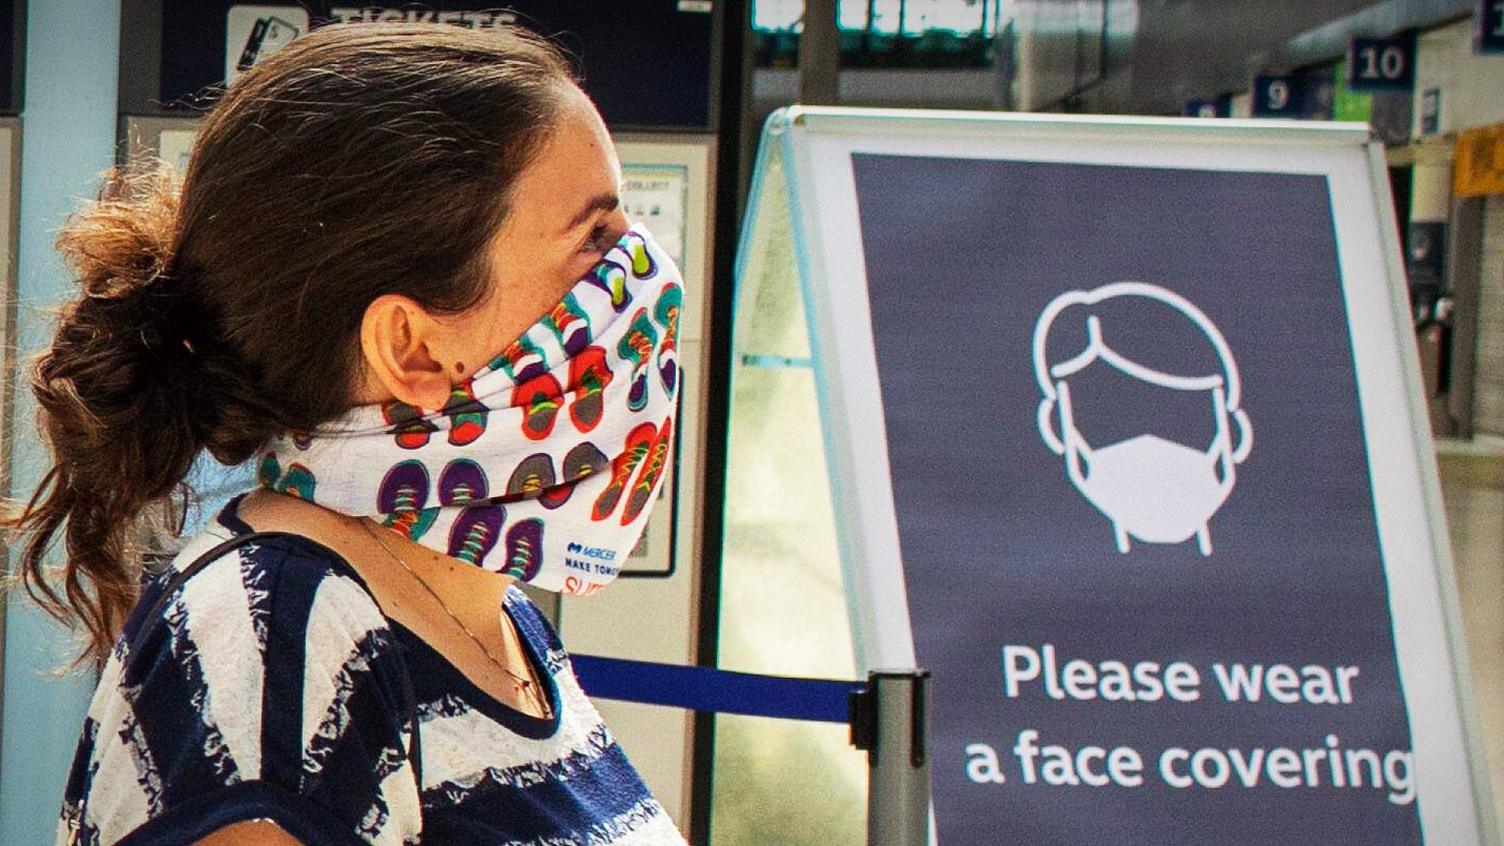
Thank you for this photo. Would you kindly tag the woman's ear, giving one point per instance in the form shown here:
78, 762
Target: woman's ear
396, 339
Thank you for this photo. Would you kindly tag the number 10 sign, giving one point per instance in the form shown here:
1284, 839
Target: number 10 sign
1381, 64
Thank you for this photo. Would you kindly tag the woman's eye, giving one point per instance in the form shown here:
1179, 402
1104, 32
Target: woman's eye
599, 241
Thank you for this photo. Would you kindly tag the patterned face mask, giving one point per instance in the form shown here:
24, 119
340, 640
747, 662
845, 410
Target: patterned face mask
545, 463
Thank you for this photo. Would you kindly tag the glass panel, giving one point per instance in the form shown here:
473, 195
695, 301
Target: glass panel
958, 17
962, 17
777, 15
886, 15
783, 607
886, 33
851, 14
1472, 483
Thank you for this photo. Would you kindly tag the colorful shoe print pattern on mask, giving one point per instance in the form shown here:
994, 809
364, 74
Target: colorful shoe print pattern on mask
578, 463
521, 361
631, 260
639, 444
535, 478
407, 425
652, 471
403, 492
570, 324
541, 397
467, 417
605, 354
476, 531
525, 549
268, 471
462, 483
666, 312
298, 481
589, 374
638, 347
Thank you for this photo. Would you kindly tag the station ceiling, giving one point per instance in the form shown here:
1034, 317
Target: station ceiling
1182, 49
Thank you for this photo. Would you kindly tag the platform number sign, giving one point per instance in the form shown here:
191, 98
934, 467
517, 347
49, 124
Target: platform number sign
1490, 35
1219, 107
1276, 95
1381, 64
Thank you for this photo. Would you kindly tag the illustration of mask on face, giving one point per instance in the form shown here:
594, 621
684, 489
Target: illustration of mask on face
1152, 489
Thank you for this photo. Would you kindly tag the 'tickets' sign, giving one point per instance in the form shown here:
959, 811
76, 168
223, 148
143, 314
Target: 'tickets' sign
646, 65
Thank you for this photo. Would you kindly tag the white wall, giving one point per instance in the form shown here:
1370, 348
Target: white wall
1472, 86
1488, 384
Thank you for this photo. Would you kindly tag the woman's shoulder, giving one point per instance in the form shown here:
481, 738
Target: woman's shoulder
259, 676
235, 591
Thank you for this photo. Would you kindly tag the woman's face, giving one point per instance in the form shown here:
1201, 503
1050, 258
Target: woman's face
565, 214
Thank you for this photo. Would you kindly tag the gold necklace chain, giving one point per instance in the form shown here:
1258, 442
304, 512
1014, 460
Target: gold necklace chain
526, 685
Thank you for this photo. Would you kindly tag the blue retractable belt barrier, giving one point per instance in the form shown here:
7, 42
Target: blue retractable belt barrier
723, 691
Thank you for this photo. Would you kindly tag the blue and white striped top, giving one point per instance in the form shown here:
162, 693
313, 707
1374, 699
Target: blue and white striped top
272, 687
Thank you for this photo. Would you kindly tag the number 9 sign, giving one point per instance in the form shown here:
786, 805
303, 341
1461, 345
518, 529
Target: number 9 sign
1276, 96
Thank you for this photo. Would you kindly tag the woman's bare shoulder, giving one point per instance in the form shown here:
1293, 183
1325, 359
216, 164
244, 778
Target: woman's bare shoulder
251, 833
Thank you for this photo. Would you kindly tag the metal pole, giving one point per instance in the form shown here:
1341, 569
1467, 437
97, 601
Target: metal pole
890, 719
1464, 276
819, 55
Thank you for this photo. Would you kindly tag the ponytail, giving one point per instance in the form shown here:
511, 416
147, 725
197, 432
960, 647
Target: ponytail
126, 398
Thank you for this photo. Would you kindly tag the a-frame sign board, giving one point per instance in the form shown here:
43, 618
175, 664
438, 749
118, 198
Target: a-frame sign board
1126, 444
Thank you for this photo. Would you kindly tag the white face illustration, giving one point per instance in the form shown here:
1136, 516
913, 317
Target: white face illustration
1152, 489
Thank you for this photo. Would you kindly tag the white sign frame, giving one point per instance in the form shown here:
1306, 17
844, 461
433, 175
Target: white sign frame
809, 149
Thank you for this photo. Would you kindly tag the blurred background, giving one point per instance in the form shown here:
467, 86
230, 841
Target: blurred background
741, 571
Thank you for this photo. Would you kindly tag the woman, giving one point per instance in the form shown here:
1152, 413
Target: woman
397, 275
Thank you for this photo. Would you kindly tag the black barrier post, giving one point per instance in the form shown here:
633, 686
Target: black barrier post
890, 720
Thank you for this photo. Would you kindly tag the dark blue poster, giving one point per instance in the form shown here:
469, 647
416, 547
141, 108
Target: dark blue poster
12, 56
646, 63
1134, 507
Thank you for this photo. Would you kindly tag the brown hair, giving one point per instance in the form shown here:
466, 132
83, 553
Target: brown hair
361, 159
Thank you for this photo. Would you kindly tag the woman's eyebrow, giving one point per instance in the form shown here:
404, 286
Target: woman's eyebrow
600, 202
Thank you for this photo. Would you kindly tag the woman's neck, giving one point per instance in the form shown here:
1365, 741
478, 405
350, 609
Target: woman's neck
450, 604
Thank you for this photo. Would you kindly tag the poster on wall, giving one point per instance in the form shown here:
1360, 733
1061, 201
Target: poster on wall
656, 195
253, 32
1141, 490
